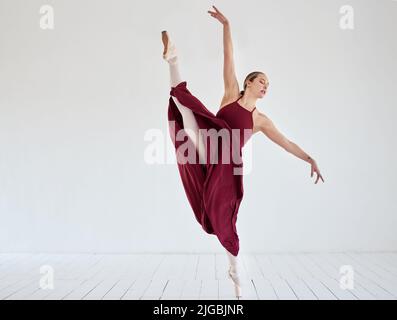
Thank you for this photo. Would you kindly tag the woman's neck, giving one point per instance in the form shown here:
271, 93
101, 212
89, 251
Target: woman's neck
247, 102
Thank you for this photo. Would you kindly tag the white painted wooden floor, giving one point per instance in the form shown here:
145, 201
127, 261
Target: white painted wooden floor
192, 276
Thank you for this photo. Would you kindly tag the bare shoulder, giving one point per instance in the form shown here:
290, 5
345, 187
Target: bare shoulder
260, 120
260, 114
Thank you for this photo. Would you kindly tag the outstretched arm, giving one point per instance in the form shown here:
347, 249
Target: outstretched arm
229, 75
269, 129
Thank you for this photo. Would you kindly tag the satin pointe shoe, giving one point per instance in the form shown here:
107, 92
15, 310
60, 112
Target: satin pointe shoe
169, 48
236, 281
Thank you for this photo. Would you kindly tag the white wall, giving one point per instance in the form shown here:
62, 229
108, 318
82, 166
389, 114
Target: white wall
76, 101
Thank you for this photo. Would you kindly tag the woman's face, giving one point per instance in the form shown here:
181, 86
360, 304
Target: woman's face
259, 86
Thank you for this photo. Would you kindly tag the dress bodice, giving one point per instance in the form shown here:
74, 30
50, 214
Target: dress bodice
238, 117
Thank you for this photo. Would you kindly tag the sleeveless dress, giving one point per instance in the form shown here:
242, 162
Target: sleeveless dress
214, 190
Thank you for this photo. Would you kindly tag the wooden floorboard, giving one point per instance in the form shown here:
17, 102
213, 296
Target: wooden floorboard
286, 276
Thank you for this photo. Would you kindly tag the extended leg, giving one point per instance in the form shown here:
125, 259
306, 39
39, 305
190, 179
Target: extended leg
175, 76
189, 121
192, 129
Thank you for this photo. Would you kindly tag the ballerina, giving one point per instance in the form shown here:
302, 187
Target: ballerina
213, 190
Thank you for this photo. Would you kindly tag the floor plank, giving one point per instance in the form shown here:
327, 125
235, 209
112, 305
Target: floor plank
287, 276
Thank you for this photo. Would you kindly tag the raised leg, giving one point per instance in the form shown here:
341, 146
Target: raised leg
175, 76
192, 129
189, 121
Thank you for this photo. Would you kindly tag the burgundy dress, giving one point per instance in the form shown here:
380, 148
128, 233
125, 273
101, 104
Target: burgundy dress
214, 190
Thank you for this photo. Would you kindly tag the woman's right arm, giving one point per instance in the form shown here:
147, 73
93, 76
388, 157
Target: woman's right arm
229, 73
229, 76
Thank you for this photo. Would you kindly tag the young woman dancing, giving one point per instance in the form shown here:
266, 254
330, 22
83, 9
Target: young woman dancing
215, 188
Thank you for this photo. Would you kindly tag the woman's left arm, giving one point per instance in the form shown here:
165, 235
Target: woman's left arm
267, 126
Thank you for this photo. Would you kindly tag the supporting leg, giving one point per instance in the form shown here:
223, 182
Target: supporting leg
234, 273
233, 262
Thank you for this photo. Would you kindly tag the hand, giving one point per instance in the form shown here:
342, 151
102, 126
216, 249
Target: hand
219, 16
316, 170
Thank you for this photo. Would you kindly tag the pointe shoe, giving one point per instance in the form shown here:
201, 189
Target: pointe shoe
169, 48
237, 284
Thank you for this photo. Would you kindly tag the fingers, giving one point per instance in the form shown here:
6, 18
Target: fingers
216, 9
319, 176
213, 14
218, 16
217, 12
